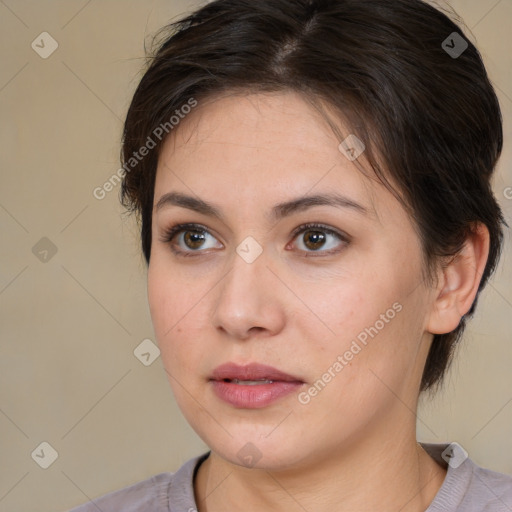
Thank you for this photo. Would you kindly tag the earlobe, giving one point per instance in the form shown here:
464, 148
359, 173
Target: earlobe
458, 282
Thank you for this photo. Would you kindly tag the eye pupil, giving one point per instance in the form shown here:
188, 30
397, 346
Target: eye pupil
317, 237
195, 240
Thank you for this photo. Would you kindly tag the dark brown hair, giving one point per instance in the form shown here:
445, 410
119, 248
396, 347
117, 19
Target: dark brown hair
430, 116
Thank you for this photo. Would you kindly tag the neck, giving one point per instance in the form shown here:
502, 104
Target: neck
385, 476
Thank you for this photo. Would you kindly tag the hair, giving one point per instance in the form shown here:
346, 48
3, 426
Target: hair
430, 121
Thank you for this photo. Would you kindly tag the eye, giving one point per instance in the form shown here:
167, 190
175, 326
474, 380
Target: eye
191, 238
316, 237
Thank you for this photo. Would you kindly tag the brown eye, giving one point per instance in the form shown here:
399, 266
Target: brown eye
313, 238
193, 239
189, 239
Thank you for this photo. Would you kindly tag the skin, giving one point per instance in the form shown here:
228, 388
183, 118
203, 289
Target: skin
353, 446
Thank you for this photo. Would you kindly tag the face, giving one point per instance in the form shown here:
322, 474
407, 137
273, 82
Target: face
340, 306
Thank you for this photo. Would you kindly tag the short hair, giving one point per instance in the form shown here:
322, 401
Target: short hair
415, 93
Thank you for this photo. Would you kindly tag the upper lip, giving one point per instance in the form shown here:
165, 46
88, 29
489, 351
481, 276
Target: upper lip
252, 371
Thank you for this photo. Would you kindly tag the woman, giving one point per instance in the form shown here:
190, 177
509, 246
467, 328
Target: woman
312, 179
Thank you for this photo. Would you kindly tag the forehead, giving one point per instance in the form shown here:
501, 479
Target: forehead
286, 113
259, 148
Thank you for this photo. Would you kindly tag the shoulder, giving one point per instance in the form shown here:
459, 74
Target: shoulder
468, 487
491, 489
150, 494
157, 493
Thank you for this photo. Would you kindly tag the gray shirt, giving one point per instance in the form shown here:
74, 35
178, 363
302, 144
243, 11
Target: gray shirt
467, 487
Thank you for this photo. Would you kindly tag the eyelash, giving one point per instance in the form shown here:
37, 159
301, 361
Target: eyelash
171, 232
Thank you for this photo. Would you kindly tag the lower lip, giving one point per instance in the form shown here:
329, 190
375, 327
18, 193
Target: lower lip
253, 397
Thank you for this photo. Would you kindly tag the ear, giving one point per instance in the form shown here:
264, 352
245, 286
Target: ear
458, 282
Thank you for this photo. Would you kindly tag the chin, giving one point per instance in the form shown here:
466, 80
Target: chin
260, 452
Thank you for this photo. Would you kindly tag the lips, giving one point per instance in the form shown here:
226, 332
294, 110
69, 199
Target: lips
253, 386
252, 372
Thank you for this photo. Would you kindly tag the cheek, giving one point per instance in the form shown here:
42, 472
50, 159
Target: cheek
343, 310
160, 300
175, 311
170, 296
377, 371
373, 328
166, 310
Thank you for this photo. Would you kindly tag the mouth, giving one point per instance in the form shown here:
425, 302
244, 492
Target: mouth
249, 382
253, 386
253, 374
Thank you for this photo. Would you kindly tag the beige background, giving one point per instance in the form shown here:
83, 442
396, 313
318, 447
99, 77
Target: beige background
69, 326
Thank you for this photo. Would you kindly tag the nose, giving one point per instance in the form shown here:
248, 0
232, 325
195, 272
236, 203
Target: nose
250, 300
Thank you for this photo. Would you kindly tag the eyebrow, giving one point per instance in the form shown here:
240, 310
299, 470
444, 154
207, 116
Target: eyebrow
278, 211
